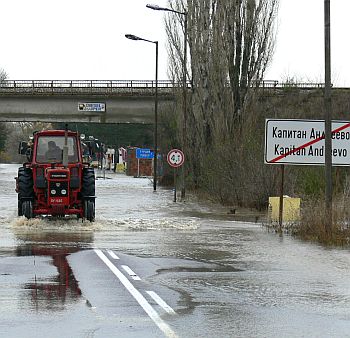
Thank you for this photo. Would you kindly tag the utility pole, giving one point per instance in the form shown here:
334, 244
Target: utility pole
155, 167
328, 118
184, 88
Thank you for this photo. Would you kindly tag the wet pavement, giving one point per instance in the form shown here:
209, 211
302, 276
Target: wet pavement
221, 277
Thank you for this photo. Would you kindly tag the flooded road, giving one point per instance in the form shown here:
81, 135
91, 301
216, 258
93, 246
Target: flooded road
217, 277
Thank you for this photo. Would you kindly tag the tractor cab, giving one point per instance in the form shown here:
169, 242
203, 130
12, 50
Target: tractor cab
49, 149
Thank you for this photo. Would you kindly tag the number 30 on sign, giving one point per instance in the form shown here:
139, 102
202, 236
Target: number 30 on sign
175, 158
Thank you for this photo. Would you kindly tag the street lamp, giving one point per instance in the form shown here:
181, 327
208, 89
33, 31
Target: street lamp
136, 38
158, 8
184, 85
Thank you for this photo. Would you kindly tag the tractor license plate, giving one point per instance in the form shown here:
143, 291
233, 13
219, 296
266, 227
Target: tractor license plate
58, 200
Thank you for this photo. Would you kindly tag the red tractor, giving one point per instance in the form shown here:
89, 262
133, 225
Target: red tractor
55, 181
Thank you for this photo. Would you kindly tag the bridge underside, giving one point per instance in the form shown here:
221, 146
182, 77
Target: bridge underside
119, 109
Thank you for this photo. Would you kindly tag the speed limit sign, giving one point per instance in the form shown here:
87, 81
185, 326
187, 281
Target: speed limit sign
175, 158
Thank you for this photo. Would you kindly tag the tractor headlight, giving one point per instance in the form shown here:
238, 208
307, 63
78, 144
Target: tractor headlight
63, 191
53, 192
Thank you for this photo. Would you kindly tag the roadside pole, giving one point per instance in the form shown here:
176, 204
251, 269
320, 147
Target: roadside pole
175, 185
144, 154
281, 199
328, 118
104, 167
175, 159
302, 142
138, 167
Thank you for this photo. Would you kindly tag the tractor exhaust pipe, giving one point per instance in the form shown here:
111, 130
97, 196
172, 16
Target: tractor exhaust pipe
65, 148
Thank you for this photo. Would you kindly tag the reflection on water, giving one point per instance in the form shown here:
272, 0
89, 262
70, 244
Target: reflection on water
52, 292
47, 291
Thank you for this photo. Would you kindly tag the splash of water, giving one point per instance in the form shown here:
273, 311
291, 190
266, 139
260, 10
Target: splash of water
140, 224
51, 223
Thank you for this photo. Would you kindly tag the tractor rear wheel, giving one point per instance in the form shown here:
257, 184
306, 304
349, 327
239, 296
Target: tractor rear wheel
89, 210
27, 209
25, 187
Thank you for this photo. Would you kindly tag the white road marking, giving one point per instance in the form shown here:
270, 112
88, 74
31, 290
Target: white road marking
161, 302
138, 296
112, 254
131, 273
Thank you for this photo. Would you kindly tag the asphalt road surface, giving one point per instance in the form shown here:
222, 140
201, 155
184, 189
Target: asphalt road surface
149, 267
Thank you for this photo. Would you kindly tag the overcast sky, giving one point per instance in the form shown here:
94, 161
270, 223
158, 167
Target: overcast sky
84, 39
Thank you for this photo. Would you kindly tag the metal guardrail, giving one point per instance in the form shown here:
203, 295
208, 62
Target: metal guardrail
84, 87
86, 84
118, 86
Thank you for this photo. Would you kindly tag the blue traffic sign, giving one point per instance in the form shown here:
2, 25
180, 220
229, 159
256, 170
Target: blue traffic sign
144, 153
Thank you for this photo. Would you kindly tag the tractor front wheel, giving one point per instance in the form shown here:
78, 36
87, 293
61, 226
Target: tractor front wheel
27, 209
88, 183
89, 210
25, 187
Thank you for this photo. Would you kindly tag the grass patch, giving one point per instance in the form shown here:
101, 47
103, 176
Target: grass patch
312, 224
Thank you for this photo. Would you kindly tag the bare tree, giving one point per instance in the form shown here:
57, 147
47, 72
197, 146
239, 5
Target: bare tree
249, 44
3, 75
230, 45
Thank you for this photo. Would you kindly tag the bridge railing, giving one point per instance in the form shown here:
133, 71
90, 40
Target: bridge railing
85, 84
118, 86
90, 87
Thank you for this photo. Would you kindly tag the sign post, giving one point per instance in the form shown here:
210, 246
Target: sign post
328, 115
145, 154
302, 142
174, 172
175, 158
281, 199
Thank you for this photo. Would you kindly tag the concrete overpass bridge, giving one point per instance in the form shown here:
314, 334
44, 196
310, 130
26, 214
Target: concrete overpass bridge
110, 101
83, 101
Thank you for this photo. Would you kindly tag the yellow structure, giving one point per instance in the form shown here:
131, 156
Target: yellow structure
120, 168
291, 209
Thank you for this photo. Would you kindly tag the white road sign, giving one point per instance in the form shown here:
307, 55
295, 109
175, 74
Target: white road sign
175, 158
302, 142
92, 106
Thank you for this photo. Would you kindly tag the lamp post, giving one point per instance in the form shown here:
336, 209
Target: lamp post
184, 86
136, 38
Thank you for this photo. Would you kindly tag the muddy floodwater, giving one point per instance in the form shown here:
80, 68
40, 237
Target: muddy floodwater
223, 278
